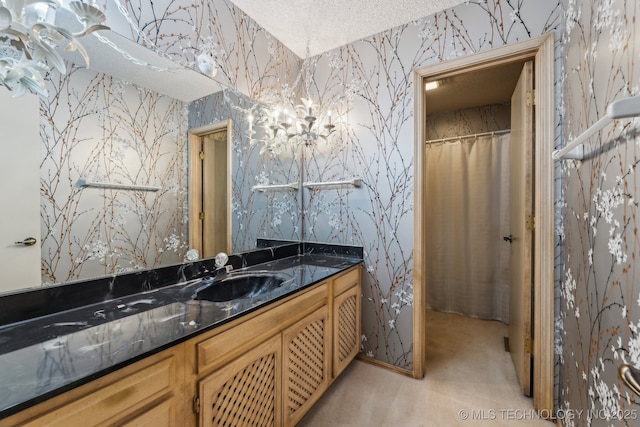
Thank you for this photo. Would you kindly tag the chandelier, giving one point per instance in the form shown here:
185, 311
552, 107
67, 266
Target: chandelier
303, 123
29, 37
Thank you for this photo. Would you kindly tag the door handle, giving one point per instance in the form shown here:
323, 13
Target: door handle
508, 238
630, 377
29, 241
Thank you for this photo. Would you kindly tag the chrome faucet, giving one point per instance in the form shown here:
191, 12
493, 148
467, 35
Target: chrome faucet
220, 261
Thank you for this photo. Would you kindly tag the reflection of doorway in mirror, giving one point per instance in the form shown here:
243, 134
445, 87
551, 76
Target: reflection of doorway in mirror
210, 189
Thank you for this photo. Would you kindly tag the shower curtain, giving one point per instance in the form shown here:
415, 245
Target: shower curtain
467, 214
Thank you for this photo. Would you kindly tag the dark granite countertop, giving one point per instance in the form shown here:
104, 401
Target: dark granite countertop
44, 356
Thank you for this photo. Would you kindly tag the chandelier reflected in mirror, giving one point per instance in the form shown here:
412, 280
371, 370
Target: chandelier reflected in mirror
304, 123
30, 36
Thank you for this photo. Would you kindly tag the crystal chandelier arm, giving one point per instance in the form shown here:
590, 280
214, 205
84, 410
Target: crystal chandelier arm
36, 39
89, 15
32, 84
19, 39
90, 30
75, 46
43, 49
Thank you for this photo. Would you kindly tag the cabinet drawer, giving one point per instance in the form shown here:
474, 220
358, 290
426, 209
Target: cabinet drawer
225, 346
347, 280
161, 415
117, 400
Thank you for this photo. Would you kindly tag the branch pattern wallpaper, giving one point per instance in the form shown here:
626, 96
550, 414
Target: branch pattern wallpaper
255, 214
599, 320
97, 129
373, 78
140, 136
94, 127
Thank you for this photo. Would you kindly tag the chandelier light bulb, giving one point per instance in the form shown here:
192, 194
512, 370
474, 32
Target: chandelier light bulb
282, 125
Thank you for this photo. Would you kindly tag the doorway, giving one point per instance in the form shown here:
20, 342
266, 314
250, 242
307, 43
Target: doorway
478, 190
540, 51
210, 189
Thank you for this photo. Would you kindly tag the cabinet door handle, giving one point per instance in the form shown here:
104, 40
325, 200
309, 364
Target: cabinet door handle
29, 241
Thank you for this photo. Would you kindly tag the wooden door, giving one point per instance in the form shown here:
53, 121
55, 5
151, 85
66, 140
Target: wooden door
247, 391
306, 359
19, 190
522, 221
347, 313
215, 185
210, 192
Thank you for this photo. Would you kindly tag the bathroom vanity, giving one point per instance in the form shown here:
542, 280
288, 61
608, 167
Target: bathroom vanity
177, 355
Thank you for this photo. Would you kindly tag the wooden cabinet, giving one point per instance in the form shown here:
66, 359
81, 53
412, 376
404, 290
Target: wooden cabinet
347, 309
319, 334
306, 368
247, 391
265, 369
145, 393
225, 343
231, 359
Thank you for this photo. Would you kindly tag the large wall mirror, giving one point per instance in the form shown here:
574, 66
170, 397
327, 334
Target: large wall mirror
113, 164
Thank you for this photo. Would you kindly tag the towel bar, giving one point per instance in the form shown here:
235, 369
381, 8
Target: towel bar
631, 377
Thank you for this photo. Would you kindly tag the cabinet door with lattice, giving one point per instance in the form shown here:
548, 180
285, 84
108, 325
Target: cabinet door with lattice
346, 328
245, 392
306, 354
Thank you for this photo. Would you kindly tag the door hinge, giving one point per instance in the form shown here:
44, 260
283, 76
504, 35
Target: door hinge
531, 98
530, 222
201, 216
196, 404
528, 345
202, 155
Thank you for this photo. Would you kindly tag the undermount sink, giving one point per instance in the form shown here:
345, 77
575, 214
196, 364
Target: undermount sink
239, 286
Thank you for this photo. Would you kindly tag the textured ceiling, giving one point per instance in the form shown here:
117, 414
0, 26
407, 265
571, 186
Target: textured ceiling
328, 24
